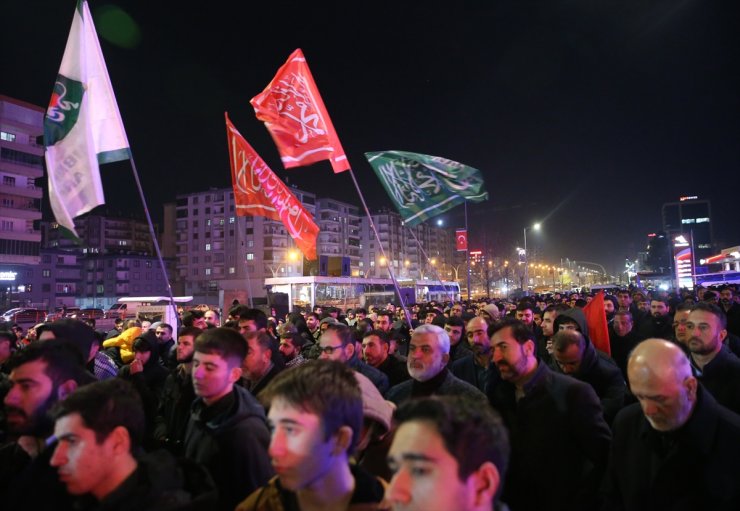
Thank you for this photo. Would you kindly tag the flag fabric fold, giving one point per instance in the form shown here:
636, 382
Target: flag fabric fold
82, 126
598, 328
294, 113
423, 186
259, 192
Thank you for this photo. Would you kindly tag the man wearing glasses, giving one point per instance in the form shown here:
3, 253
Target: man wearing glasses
337, 343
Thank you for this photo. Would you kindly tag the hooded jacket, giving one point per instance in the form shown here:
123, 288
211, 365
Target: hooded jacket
125, 343
596, 369
230, 438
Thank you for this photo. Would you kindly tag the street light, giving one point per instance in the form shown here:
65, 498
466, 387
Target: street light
536, 227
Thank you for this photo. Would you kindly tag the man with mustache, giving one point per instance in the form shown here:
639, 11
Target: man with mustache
477, 370
559, 439
40, 375
677, 448
429, 353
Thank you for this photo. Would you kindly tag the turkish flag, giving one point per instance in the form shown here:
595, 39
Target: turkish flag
294, 113
461, 240
259, 192
598, 328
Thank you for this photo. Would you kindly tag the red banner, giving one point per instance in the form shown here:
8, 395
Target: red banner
598, 329
259, 192
461, 240
294, 113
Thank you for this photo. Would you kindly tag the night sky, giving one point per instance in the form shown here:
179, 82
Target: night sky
586, 115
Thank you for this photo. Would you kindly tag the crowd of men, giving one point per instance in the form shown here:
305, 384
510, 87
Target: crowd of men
481, 405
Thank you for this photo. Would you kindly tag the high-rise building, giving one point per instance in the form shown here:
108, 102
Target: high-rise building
690, 215
102, 234
220, 251
419, 252
21, 164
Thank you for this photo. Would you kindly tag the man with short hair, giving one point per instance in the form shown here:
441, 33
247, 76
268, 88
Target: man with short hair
429, 353
212, 317
40, 375
99, 429
435, 464
477, 370
376, 352
259, 366
731, 309
712, 363
574, 354
290, 346
337, 343
252, 320
680, 318
455, 328
227, 432
7, 346
659, 322
316, 415
194, 317
313, 323
177, 395
456, 311
677, 448
559, 439
622, 339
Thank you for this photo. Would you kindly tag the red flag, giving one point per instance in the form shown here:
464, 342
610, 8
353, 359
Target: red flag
598, 329
292, 109
461, 240
259, 192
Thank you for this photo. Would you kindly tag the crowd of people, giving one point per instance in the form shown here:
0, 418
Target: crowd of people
467, 405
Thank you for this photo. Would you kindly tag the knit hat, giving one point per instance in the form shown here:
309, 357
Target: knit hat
492, 310
373, 404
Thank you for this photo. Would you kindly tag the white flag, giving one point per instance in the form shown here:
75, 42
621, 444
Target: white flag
82, 126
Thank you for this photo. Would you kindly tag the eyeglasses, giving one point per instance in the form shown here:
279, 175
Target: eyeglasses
330, 349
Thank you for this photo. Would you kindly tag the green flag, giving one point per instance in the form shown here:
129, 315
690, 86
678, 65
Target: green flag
423, 186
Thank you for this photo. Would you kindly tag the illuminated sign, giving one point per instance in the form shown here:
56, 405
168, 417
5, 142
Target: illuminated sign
7, 275
683, 261
688, 197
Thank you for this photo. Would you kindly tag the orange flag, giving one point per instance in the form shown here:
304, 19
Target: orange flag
598, 329
259, 192
294, 113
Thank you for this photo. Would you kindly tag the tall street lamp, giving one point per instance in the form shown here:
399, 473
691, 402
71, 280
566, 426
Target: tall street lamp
536, 227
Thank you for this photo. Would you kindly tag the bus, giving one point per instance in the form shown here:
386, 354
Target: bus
353, 292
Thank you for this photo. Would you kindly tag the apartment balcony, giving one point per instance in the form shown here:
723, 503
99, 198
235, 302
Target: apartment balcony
23, 213
28, 191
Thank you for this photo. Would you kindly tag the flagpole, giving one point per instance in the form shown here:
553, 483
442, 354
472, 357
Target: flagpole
153, 235
434, 268
467, 246
382, 251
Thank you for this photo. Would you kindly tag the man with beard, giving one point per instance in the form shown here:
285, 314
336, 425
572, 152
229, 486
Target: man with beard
559, 439
41, 375
659, 323
712, 362
376, 352
177, 395
622, 339
455, 328
429, 353
477, 370
677, 448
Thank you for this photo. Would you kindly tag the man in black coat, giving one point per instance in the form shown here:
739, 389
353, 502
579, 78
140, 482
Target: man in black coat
677, 449
227, 432
559, 439
574, 355
716, 367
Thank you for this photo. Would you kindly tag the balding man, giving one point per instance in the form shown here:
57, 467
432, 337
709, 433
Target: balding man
677, 448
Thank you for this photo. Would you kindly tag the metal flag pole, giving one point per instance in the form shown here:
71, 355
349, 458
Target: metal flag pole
434, 268
467, 246
154, 237
382, 251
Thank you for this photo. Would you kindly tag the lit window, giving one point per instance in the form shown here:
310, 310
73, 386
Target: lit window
250, 256
208, 247
208, 271
232, 270
702, 220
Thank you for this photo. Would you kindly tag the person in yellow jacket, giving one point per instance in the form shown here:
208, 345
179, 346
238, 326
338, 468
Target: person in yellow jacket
124, 343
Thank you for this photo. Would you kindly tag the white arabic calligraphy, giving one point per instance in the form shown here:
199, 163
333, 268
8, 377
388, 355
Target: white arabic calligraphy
295, 91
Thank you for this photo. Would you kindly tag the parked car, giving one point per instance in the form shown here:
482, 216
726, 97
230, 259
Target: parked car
91, 314
24, 315
61, 312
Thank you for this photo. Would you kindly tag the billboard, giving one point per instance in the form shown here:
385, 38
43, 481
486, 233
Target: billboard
683, 261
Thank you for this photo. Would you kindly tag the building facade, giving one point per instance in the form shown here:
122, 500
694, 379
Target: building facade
690, 215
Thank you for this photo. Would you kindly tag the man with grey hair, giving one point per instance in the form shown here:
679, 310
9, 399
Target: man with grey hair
429, 352
677, 448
